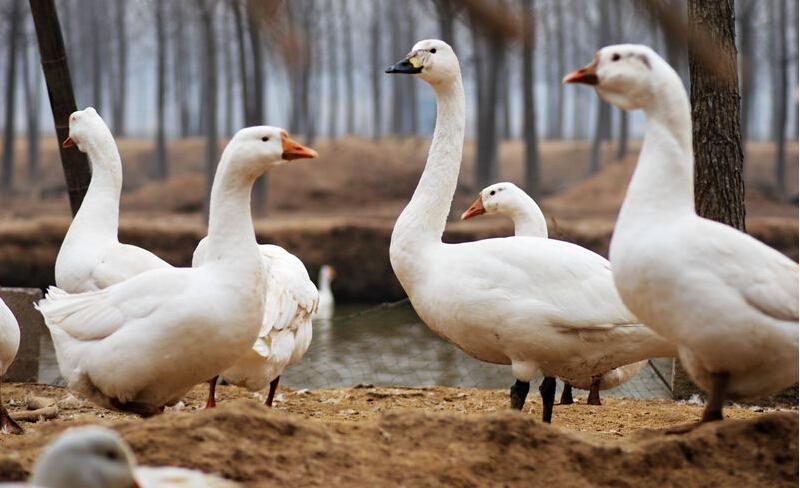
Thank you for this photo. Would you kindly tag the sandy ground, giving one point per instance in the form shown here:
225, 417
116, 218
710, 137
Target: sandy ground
429, 436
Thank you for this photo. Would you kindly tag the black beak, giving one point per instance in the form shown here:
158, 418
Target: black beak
403, 66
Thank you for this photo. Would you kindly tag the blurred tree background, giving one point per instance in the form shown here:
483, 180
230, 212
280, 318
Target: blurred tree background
168, 70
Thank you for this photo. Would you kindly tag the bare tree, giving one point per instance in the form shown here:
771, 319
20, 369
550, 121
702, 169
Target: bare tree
347, 51
119, 101
558, 10
532, 176
412, 126
744, 26
207, 8
602, 126
254, 20
333, 64
780, 88
181, 70
14, 21
159, 170
718, 178
62, 99
486, 170
446, 11
227, 63
377, 63
32, 79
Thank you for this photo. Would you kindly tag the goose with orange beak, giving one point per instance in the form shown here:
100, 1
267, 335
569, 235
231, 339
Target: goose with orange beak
291, 300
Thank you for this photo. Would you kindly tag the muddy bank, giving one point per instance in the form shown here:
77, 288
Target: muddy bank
358, 248
434, 436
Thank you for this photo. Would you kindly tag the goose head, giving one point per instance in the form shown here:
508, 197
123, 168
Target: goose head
625, 75
432, 60
91, 457
501, 198
326, 273
254, 150
84, 128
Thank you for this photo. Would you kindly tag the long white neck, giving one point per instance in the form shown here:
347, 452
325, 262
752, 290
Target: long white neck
528, 218
324, 282
230, 225
663, 182
423, 220
99, 212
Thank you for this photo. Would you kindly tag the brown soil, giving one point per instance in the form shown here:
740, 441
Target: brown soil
432, 436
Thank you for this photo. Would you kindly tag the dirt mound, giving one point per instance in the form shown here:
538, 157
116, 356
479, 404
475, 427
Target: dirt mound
244, 441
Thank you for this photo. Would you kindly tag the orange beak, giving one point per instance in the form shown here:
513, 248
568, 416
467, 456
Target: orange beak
586, 75
68, 142
294, 150
475, 209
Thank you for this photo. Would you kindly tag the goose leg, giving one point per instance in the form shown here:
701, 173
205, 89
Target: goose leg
7, 424
594, 392
273, 385
548, 391
566, 395
519, 392
716, 398
212, 392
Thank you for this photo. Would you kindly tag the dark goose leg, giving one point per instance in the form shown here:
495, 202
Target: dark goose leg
548, 391
273, 385
566, 395
519, 392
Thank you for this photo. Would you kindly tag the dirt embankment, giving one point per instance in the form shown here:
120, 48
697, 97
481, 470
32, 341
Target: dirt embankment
435, 436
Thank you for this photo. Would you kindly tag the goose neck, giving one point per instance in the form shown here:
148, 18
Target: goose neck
230, 225
100, 208
529, 222
424, 218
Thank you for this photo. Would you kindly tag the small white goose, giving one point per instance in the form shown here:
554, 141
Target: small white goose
97, 457
9, 344
728, 301
143, 343
536, 304
91, 256
511, 201
326, 301
290, 302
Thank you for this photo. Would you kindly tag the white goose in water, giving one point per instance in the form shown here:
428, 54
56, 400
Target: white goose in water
9, 345
728, 301
91, 256
143, 343
326, 301
290, 302
97, 457
536, 304
509, 200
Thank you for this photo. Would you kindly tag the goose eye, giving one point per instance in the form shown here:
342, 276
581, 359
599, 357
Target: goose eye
112, 455
615, 57
492, 192
265, 138
433, 50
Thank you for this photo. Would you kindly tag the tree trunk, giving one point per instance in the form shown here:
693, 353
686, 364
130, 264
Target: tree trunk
744, 20
227, 62
97, 40
347, 51
718, 179
560, 70
532, 176
243, 72
480, 95
122, 69
181, 71
210, 73
62, 99
333, 65
377, 64
14, 21
780, 95
394, 12
257, 89
413, 116
446, 15
487, 139
602, 126
33, 83
159, 170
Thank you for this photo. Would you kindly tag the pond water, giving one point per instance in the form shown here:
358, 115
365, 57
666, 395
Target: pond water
389, 345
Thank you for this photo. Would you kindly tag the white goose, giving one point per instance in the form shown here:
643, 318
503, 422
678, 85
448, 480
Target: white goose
9, 344
91, 256
290, 302
143, 343
728, 301
97, 457
509, 200
326, 301
537, 304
